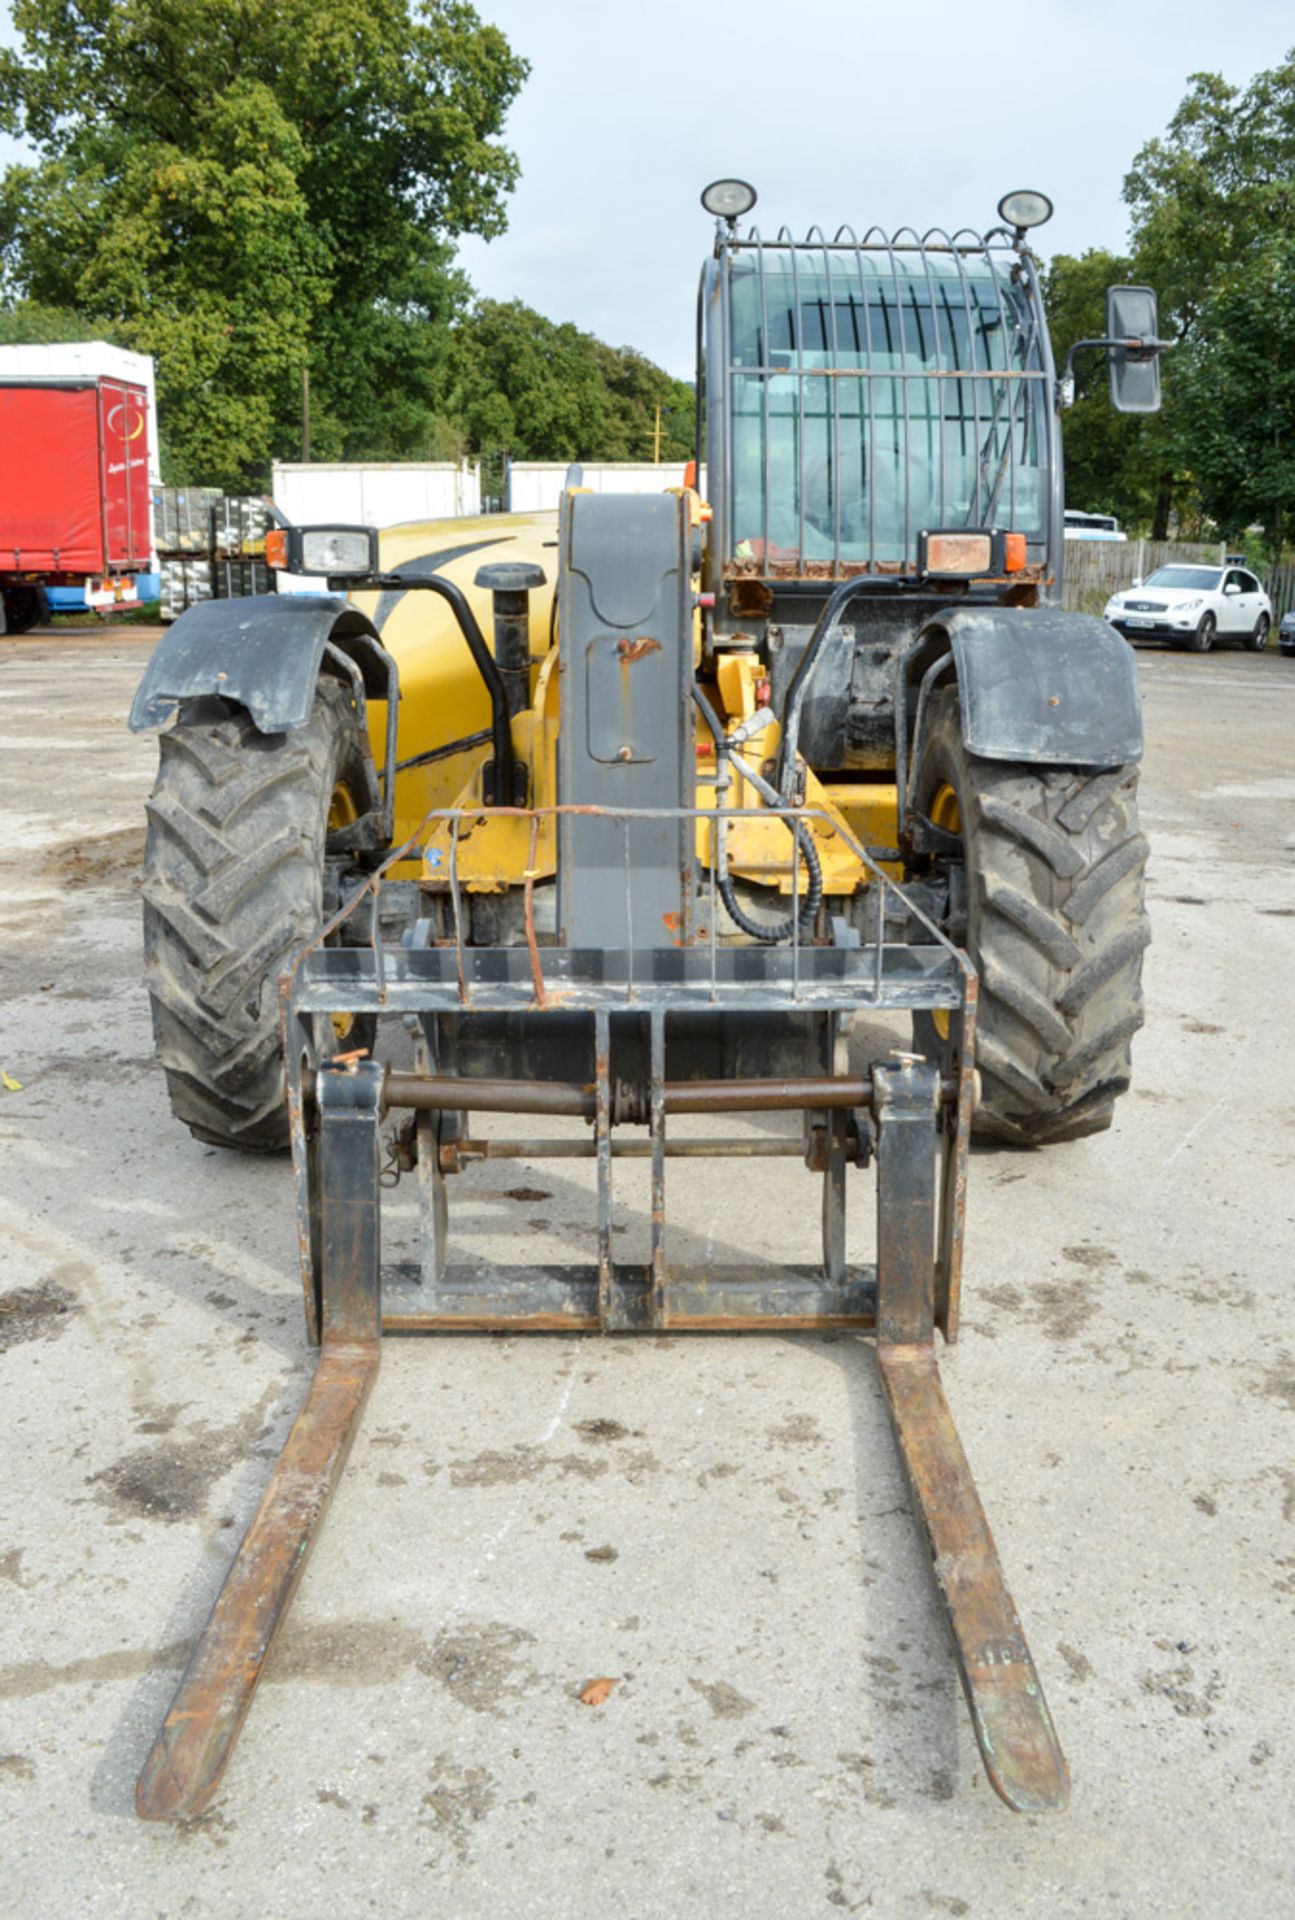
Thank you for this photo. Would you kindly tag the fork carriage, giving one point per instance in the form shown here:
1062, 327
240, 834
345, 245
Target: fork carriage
627, 1037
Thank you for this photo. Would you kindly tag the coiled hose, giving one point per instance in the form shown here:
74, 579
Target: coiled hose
776, 930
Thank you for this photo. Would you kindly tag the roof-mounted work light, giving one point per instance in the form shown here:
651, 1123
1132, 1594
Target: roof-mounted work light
729, 199
1024, 209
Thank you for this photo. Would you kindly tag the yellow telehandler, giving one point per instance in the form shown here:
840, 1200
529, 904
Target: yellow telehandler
630, 812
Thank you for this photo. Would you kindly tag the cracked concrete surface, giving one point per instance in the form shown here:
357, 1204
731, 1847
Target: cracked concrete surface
719, 1524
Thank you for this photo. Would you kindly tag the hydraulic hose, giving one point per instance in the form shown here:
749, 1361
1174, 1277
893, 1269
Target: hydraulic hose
833, 607
725, 759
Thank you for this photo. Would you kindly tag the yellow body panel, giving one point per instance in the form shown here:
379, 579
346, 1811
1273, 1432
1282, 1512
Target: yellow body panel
870, 809
443, 702
441, 696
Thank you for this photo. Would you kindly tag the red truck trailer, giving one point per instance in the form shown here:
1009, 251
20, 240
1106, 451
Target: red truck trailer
75, 496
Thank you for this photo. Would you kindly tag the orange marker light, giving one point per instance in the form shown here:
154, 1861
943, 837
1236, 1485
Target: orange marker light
966, 554
1013, 552
276, 547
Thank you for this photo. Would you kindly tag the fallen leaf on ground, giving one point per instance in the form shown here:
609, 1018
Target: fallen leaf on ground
10, 1084
594, 1692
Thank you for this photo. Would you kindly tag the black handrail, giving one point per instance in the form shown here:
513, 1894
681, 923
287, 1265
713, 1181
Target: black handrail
501, 735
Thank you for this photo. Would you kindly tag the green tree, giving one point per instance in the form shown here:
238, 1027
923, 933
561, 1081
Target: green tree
1237, 420
635, 389
1216, 186
539, 389
1213, 222
526, 385
247, 187
1117, 463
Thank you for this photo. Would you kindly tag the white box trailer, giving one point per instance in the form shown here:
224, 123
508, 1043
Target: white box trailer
534, 486
371, 493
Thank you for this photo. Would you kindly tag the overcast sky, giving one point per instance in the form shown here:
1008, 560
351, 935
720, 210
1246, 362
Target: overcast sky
836, 110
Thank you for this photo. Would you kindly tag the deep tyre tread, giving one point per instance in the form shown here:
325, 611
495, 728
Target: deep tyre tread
1056, 926
233, 888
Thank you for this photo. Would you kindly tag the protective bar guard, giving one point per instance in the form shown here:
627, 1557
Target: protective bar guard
911, 1119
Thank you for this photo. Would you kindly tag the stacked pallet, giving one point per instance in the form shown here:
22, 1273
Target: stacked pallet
210, 546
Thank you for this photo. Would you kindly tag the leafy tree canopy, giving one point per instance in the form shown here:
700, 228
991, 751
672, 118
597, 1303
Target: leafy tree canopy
1212, 205
1237, 418
1216, 186
248, 187
542, 390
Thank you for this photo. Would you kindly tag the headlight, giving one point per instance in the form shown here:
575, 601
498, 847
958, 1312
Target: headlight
338, 550
348, 553
1187, 606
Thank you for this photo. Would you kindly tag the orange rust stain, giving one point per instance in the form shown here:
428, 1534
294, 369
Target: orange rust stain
632, 650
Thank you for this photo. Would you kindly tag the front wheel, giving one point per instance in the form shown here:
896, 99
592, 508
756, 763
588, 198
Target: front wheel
238, 833
1258, 640
1203, 638
1046, 895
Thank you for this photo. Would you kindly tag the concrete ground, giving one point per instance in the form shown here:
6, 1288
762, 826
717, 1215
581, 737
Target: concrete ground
717, 1524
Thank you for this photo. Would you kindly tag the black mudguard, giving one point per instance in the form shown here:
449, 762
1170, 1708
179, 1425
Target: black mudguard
1043, 686
264, 652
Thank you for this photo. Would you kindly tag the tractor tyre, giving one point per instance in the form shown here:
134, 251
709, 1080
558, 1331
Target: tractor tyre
1055, 924
238, 826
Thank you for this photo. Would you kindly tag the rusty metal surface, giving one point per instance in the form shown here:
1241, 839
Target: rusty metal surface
569, 1097
636, 649
785, 564
454, 1094
198, 1735
953, 1224
1013, 1727
906, 1109
565, 1299
455, 1154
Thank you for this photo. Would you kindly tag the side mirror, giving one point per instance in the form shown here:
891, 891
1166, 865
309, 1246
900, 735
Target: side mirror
1231, 587
1138, 581
1135, 372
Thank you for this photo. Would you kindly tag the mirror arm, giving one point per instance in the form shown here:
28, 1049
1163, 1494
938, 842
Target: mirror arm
1136, 347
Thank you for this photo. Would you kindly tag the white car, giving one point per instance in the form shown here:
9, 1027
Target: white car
1193, 607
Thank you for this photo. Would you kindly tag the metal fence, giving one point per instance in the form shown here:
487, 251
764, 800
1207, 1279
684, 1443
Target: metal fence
1095, 569
1279, 585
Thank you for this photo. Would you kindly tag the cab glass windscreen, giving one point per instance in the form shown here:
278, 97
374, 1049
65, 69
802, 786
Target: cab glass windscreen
875, 393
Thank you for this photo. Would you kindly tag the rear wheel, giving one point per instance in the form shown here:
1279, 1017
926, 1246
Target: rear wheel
1047, 898
25, 607
234, 873
1258, 640
1203, 638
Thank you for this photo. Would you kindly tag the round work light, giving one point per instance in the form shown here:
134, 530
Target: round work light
1025, 208
729, 199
